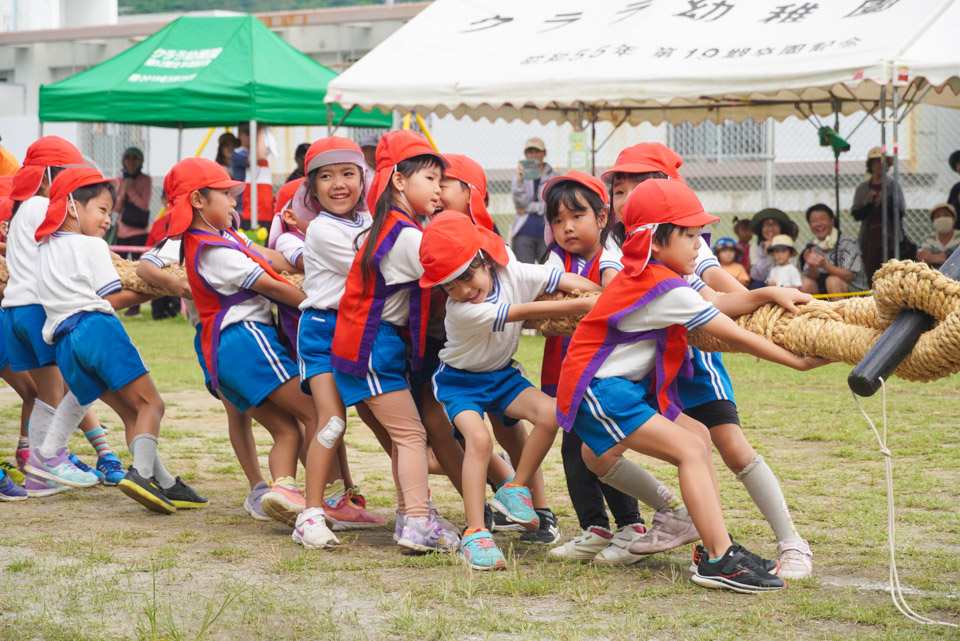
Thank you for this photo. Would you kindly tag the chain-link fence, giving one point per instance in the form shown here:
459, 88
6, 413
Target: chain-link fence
735, 168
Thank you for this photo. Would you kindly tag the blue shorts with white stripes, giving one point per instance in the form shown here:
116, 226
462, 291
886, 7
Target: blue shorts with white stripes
492, 392
315, 344
710, 380
611, 409
251, 363
386, 371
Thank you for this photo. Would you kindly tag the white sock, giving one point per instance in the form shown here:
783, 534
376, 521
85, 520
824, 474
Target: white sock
764, 489
40, 419
65, 420
144, 450
633, 480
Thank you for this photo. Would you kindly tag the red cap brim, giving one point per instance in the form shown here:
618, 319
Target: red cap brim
695, 220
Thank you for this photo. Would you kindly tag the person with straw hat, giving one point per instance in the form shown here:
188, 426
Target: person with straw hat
868, 209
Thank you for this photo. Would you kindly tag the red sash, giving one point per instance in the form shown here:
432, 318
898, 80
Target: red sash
213, 306
598, 335
358, 316
555, 346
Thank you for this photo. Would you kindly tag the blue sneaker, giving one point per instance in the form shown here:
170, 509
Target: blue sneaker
515, 503
83, 467
111, 468
59, 469
480, 552
10, 491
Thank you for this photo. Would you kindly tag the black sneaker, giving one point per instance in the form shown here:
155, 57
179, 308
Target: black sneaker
487, 516
146, 492
760, 563
734, 572
547, 532
184, 496
503, 524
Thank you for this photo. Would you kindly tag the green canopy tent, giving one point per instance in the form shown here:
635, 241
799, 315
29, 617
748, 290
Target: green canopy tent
204, 72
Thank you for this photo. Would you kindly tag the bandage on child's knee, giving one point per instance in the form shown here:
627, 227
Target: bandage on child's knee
330, 433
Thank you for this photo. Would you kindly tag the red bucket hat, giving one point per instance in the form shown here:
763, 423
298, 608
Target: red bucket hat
67, 181
643, 158
394, 147
49, 151
470, 172
187, 176
592, 183
450, 243
654, 202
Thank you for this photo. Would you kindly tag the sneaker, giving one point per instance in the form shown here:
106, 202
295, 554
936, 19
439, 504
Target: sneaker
344, 515
252, 503
502, 524
398, 528
796, 559
10, 491
733, 571
83, 467
444, 523
480, 552
111, 468
15, 474
488, 517
758, 562
424, 534
146, 492
585, 546
37, 487
184, 496
548, 531
515, 502
618, 552
59, 469
356, 498
311, 530
22, 455
667, 532
284, 502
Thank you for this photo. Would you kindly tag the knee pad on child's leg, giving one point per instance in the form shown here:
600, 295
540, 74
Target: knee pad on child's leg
752, 464
330, 433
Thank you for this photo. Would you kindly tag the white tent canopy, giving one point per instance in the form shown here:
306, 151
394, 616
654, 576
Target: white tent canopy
659, 60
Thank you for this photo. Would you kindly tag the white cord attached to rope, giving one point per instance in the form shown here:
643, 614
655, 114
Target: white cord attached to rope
896, 593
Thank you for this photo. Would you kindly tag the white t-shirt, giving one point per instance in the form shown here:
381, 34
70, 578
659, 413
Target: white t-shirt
291, 246
679, 306
328, 253
784, 276
401, 265
75, 273
169, 254
230, 271
705, 258
479, 338
22, 258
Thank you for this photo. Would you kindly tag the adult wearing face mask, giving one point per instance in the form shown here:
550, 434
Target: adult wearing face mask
831, 261
937, 247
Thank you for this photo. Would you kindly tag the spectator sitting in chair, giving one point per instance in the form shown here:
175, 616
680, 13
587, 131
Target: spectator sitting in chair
937, 247
831, 261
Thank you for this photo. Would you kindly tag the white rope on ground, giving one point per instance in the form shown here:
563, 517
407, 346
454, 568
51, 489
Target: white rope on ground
896, 593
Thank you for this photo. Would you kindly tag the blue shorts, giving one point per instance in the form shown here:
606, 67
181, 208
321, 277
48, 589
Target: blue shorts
611, 409
314, 341
459, 390
251, 363
23, 334
97, 355
386, 371
200, 359
4, 359
710, 381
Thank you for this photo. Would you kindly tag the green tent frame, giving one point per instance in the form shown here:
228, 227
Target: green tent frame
204, 72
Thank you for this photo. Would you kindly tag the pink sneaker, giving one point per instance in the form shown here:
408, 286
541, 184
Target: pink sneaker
284, 502
344, 515
667, 532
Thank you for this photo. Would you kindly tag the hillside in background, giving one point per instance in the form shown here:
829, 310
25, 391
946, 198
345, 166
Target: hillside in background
128, 7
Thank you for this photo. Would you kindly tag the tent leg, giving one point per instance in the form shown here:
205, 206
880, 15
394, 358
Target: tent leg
898, 222
593, 147
41, 129
884, 213
768, 178
179, 142
252, 174
836, 169
329, 119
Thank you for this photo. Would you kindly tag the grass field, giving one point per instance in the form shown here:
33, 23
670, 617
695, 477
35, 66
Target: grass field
92, 564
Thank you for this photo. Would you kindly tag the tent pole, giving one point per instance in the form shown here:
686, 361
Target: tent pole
593, 146
898, 222
179, 141
41, 129
329, 119
836, 167
883, 172
768, 177
252, 173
